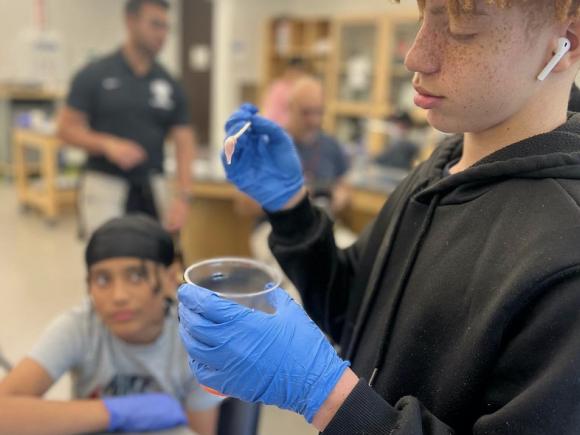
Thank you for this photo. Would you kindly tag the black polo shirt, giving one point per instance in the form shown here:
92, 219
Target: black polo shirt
118, 102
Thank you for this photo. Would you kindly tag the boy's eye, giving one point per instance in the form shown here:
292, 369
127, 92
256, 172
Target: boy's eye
462, 37
101, 281
136, 277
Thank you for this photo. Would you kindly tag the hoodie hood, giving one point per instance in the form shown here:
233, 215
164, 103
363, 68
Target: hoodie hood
555, 154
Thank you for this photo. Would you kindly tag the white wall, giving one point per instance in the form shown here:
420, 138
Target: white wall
96, 27
237, 36
238, 31
86, 27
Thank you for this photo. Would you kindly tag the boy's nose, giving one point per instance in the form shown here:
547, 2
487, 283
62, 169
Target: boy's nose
120, 293
424, 56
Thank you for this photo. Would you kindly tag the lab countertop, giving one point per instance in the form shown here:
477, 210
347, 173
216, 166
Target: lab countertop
216, 226
370, 177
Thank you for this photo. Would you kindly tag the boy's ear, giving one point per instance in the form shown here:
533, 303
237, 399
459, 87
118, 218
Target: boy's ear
571, 59
573, 35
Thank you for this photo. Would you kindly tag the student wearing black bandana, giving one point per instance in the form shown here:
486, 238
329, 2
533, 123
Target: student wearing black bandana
129, 368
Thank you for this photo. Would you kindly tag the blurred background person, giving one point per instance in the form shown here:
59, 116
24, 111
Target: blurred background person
276, 105
121, 110
324, 162
401, 151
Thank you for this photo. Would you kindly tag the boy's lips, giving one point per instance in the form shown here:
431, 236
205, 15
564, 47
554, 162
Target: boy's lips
123, 316
425, 99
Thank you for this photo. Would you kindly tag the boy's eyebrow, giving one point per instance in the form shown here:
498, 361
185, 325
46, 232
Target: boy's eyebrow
135, 268
441, 10
98, 271
438, 10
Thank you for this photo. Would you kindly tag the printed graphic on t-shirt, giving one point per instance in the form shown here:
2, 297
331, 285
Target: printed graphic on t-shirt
123, 385
161, 94
111, 83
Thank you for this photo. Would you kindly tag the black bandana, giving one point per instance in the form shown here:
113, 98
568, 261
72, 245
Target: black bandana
137, 236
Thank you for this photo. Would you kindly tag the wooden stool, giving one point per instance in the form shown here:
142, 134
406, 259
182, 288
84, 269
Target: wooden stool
48, 198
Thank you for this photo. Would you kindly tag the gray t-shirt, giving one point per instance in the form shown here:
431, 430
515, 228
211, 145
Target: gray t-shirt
104, 365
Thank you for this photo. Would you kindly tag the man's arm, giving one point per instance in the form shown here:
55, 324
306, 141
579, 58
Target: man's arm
341, 193
185, 142
204, 422
22, 410
184, 139
74, 129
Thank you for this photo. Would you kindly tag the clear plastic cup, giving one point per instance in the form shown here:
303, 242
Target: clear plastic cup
242, 280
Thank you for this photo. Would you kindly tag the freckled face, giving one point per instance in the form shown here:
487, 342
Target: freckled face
483, 66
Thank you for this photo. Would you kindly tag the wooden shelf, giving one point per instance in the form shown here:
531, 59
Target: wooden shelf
386, 63
304, 36
45, 195
301, 52
22, 93
388, 33
352, 108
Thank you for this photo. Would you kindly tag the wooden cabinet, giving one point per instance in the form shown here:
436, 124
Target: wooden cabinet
290, 37
360, 60
367, 80
13, 100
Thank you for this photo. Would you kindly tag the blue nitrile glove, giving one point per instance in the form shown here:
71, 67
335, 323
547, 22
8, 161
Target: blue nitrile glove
280, 359
144, 412
265, 164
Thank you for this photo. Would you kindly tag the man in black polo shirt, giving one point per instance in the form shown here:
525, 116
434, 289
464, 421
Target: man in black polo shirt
121, 109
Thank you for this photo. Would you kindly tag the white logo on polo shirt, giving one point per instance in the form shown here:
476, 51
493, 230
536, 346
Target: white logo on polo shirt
111, 83
162, 91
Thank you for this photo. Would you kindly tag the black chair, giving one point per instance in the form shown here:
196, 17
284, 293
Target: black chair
238, 418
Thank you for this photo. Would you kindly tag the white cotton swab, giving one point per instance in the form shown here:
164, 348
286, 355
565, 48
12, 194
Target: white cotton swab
231, 141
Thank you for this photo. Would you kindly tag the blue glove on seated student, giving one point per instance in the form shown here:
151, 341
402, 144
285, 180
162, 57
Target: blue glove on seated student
144, 412
265, 164
280, 359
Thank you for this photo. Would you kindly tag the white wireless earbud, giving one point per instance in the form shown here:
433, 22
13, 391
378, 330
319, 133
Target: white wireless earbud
563, 48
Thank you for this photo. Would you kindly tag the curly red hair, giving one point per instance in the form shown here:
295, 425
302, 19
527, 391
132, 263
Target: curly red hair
563, 9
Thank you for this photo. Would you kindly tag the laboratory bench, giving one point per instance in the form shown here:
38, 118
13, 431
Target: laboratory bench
213, 227
216, 227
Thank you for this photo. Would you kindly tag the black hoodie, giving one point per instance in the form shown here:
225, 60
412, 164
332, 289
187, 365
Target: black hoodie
461, 302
